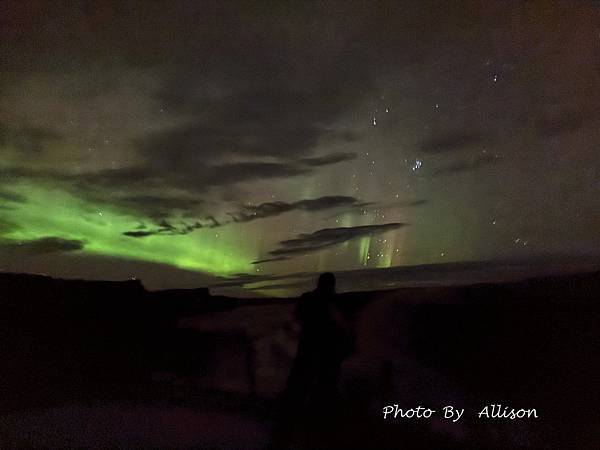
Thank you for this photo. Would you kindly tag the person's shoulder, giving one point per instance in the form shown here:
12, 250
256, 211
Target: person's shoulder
306, 299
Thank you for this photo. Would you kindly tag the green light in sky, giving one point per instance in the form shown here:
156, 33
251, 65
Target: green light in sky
384, 258
54, 212
363, 254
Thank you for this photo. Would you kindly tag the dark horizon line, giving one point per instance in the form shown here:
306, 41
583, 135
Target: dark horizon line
430, 268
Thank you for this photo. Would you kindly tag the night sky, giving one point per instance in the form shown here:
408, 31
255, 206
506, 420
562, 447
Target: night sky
198, 143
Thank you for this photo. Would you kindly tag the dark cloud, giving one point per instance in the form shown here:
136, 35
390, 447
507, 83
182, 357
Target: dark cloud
26, 138
13, 197
278, 258
7, 225
270, 209
248, 214
239, 109
254, 117
332, 158
166, 228
125, 188
135, 190
271, 106
43, 245
10, 173
328, 237
141, 233
191, 179
450, 142
466, 166
190, 182
212, 222
410, 203
260, 122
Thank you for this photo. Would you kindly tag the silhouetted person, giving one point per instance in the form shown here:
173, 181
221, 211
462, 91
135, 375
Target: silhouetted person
325, 340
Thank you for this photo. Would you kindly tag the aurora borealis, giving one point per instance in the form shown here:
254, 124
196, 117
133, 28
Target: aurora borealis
191, 143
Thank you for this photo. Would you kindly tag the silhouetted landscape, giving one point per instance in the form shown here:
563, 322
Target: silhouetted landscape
300, 225
94, 364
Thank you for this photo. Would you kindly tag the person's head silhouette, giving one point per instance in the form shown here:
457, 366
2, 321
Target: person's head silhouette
326, 283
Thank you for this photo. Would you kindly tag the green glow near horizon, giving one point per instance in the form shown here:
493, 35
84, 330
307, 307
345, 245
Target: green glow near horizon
363, 255
386, 260
54, 212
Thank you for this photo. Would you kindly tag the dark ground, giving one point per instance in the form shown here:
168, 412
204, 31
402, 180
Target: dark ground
107, 364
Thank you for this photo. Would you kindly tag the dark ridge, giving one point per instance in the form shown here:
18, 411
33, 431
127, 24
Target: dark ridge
528, 343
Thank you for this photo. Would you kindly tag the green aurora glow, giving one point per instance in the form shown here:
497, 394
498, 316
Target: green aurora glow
484, 153
53, 212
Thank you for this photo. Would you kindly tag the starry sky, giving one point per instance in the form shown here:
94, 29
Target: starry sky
194, 143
